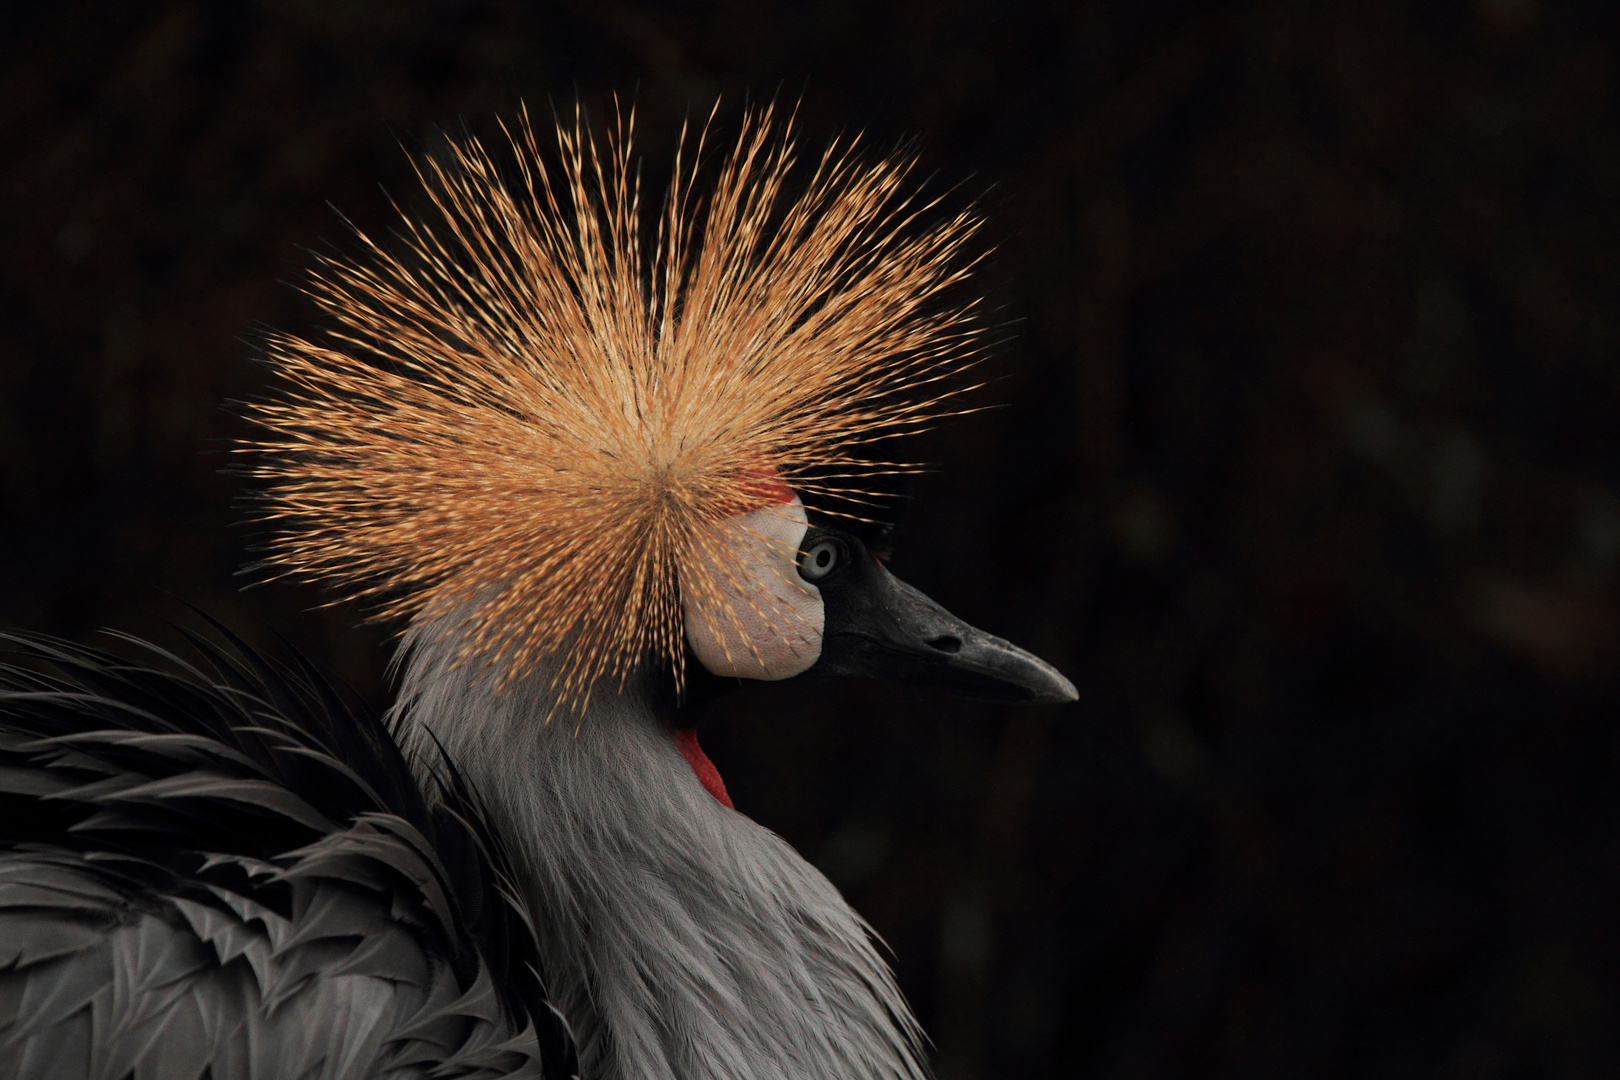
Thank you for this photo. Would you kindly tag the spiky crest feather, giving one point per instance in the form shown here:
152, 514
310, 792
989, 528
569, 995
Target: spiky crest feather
522, 415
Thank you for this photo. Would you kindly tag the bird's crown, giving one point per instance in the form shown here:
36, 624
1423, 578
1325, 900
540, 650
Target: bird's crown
537, 416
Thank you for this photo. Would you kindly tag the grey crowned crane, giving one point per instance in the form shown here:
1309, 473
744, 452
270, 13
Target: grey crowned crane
575, 460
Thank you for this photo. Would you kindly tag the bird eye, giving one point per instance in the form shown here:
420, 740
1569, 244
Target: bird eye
820, 559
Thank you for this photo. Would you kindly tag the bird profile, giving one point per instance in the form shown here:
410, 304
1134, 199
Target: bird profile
568, 438
582, 424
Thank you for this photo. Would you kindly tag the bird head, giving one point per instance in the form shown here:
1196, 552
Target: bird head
581, 445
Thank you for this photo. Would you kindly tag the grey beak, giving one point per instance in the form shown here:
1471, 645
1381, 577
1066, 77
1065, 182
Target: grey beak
880, 627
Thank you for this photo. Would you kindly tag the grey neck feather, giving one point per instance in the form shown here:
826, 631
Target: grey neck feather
680, 939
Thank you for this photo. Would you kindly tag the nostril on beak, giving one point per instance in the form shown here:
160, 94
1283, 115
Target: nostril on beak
946, 644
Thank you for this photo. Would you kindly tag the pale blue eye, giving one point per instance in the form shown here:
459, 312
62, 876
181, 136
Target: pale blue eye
820, 559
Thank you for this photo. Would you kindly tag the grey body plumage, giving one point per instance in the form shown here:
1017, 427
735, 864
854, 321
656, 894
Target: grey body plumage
178, 904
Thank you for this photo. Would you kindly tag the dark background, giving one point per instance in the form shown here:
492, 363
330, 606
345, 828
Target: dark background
1306, 473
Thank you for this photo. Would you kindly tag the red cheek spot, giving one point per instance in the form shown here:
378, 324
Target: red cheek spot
709, 776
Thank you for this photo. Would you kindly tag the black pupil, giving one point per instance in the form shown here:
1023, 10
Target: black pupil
823, 558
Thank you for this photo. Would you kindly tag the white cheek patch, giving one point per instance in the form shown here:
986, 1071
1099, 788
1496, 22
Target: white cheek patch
748, 612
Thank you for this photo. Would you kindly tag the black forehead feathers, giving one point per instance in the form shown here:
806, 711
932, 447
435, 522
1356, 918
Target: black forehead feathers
870, 506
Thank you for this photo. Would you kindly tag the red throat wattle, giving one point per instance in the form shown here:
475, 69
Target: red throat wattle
709, 776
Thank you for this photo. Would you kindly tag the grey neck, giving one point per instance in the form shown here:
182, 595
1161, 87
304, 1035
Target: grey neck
680, 939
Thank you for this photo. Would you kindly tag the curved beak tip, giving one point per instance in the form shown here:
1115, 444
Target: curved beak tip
1062, 692
1044, 684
